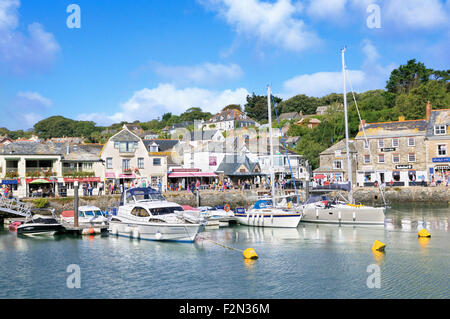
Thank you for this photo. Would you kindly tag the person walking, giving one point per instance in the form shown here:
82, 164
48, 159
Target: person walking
100, 189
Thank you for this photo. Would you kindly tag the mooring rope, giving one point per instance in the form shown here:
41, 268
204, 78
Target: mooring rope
222, 245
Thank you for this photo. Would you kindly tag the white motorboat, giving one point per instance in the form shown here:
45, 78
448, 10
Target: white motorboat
318, 210
145, 214
263, 214
40, 225
224, 215
91, 215
268, 213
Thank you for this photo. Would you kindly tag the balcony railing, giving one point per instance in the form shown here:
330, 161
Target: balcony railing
11, 172
79, 173
39, 172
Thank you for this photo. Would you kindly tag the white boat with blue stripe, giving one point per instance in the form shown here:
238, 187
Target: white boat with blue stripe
145, 214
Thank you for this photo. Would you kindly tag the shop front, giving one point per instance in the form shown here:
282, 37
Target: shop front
183, 179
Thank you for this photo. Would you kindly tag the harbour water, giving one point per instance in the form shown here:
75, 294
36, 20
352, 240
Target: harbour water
312, 261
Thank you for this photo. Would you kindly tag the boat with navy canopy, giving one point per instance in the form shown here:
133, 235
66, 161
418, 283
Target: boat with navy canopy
145, 214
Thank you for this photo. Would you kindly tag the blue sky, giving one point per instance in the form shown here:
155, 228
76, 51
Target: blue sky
135, 60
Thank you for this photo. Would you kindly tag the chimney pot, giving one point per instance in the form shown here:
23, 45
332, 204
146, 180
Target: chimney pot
428, 112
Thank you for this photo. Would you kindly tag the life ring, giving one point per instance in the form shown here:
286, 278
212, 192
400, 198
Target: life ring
227, 208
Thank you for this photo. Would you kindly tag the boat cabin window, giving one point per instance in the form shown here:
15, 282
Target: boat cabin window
140, 212
89, 213
98, 213
165, 210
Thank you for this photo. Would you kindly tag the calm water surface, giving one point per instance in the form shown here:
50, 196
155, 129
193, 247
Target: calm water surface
312, 261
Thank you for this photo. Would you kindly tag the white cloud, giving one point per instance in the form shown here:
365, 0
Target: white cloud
326, 8
416, 14
35, 97
271, 23
148, 104
203, 74
26, 109
20, 52
372, 75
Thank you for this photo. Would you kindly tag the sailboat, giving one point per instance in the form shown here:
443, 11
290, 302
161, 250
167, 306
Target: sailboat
266, 212
323, 210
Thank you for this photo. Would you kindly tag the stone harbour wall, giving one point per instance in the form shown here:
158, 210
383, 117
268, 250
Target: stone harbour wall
367, 195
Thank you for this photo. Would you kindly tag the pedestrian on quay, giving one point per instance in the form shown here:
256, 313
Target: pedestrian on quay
100, 188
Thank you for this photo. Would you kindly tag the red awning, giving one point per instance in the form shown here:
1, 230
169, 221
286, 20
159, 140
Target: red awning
110, 175
127, 176
320, 176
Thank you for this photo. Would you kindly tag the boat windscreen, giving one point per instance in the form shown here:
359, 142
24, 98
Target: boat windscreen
165, 210
89, 213
142, 194
98, 213
315, 199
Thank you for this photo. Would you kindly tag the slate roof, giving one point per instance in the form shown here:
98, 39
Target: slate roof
125, 136
163, 145
340, 146
390, 129
76, 152
231, 163
438, 117
288, 116
206, 135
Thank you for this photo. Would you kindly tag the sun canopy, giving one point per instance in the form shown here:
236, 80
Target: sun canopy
40, 181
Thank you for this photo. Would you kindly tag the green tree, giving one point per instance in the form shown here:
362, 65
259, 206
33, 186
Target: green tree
256, 106
300, 103
408, 76
232, 107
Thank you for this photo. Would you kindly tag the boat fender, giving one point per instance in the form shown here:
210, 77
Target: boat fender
135, 233
158, 235
227, 208
250, 253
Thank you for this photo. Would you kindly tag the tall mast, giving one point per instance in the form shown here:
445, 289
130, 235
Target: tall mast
349, 163
272, 162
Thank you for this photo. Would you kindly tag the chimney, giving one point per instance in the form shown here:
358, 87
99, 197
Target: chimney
401, 118
428, 111
362, 124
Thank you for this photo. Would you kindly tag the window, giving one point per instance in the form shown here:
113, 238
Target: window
366, 159
366, 144
127, 147
411, 157
337, 164
380, 143
395, 158
440, 129
411, 141
156, 162
140, 212
140, 162
381, 158
395, 142
109, 162
442, 149
126, 164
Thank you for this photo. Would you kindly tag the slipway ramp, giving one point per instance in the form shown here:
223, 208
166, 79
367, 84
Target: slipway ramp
14, 207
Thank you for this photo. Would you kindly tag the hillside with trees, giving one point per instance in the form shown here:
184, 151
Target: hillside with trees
407, 91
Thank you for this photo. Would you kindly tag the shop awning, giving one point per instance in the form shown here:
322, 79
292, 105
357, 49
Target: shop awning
191, 174
130, 176
39, 181
110, 175
84, 179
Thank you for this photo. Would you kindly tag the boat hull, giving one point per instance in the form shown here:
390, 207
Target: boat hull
156, 231
265, 218
39, 229
343, 214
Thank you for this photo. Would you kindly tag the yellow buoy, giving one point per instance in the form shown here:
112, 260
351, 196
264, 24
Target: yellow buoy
250, 253
378, 245
423, 233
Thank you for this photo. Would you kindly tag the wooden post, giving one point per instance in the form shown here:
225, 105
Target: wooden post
75, 205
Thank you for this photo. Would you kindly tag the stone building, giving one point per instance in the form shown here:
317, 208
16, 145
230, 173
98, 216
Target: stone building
437, 143
392, 151
333, 163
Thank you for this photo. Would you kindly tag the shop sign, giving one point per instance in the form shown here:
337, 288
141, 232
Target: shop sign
441, 159
403, 166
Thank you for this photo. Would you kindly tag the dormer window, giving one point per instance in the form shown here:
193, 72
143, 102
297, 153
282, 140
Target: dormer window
154, 147
127, 147
440, 129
